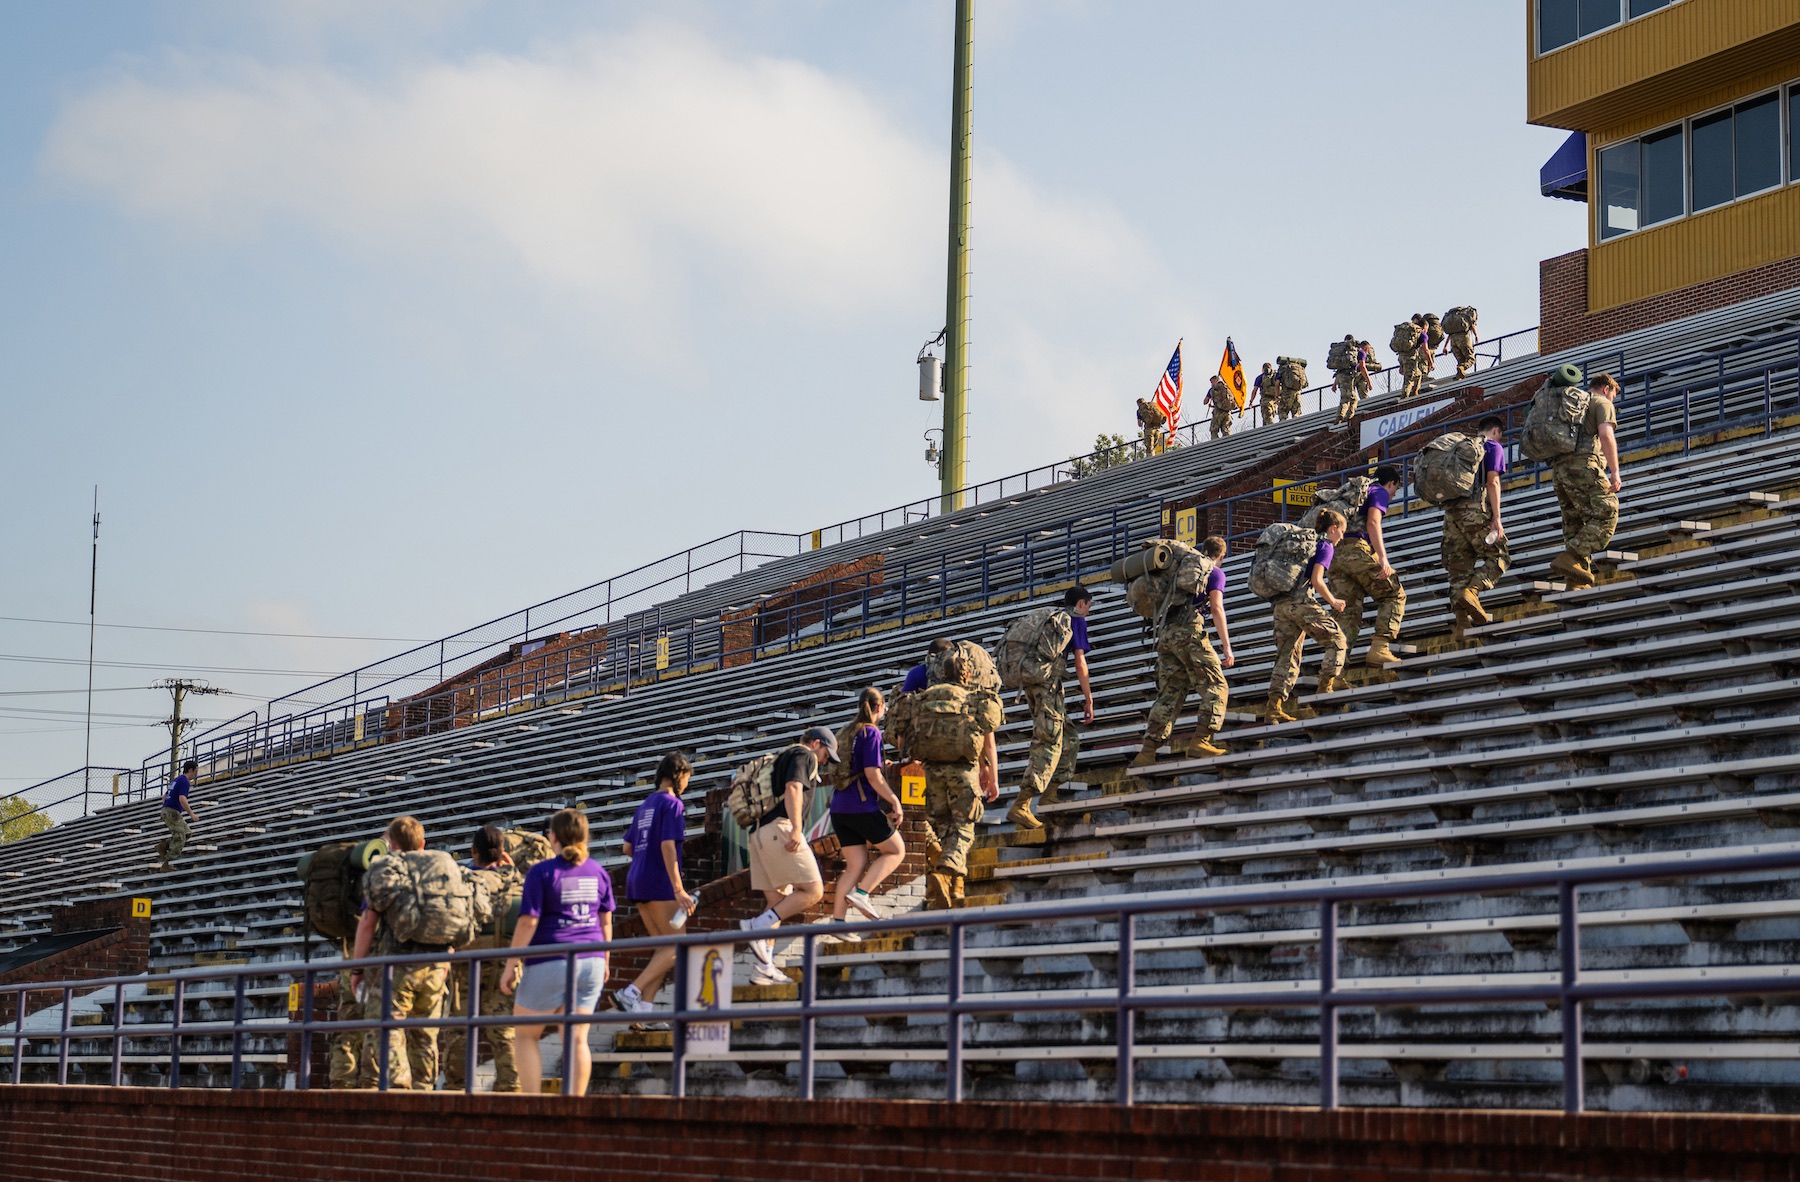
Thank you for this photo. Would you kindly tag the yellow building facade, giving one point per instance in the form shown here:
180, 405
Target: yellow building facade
1690, 111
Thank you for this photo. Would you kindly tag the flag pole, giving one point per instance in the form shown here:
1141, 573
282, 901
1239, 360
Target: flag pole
953, 475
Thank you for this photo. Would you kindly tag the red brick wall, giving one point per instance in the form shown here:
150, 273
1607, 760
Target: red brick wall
456, 701
802, 605
74, 1134
1564, 320
120, 947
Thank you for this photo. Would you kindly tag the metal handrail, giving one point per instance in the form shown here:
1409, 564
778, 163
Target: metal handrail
1569, 992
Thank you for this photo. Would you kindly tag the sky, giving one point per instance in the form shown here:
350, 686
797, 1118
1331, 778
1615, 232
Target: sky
377, 320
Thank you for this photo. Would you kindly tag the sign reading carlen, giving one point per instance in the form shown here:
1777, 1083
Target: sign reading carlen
709, 988
1380, 427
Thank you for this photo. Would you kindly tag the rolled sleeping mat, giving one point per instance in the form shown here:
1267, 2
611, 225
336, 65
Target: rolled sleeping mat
1156, 554
1299, 361
302, 868
364, 855
1566, 375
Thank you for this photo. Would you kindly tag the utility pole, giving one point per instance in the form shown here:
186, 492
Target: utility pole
87, 747
954, 472
179, 688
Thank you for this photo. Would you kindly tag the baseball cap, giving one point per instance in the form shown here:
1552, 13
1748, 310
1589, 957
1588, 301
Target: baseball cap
824, 736
1075, 595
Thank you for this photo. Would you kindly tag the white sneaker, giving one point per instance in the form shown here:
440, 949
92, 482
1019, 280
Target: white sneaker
768, 974
762, 950
843, 937
860, 900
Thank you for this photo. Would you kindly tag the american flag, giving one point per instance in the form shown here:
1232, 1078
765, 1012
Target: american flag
1168, 391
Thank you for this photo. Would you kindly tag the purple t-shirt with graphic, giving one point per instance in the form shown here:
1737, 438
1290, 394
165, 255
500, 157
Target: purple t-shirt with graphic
865, 752
1376, 502
660, 818
567, 901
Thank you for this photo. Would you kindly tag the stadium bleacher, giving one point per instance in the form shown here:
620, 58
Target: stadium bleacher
1652, 712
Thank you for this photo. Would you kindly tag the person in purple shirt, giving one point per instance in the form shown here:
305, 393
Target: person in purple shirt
1054, 743
1185, 662
1298, 614
916, 679
1360, 568
866, 816
175, 803
567, 899
653, 842
1474, 552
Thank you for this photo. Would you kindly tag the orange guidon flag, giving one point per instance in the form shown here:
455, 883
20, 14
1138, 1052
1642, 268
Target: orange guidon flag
1231, 372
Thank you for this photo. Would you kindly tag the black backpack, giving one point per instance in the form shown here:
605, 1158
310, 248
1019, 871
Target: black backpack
333, 885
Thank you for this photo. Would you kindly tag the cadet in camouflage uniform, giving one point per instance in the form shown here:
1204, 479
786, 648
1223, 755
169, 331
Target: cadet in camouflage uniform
1054, 744
487, 851
1289, 406
953, 803
1353, 383
1462, 347
1151, 425
1360, 567
1587, 486
1299, 615
1416, 363
978, 672
1185, 662
352, 1058
417, 991
1268, 392
1474, 563
1222, 404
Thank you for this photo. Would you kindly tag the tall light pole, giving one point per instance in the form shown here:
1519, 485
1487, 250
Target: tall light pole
953, 476
87, 748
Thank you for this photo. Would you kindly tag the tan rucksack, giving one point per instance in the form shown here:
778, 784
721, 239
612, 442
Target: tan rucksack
333, 890
1446, 468
753, 793
1031, 651
1405, 338
838, 774
1434, 330
1553, 424
1459, 319
1293, 372
1341, 357
502, 885
1177, 580
1347, 498
947, 723
527, 849
422, 897
979, 670
1282, 552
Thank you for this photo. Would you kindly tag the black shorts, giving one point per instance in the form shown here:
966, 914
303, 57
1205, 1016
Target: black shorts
861, 828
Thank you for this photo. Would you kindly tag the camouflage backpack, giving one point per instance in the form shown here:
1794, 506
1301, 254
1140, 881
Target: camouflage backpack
838, 774
1293, 372
753, 793
947, 723
496, 903
1446, 468
978, 666
333, 891
1434, 330
1405, 338
1341, 356
1347, 498
1459, 319
1282, 552
422, 897
1558, 412
1152, 554
1178, 580
1031, 651
527, 849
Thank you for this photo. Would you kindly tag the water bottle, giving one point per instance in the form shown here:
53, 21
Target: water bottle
679, 919
1493, 536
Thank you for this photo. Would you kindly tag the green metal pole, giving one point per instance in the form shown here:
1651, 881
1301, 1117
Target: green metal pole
954, 473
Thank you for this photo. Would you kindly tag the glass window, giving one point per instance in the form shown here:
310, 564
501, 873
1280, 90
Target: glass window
1713, 183
1597, 15
1794, 130
1756, 144
1618, 189
1663, 195
1643, 7
1556, 24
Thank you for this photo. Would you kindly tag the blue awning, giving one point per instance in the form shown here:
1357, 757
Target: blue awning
1565, 174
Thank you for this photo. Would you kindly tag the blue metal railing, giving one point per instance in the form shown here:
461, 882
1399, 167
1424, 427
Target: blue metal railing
1570, 991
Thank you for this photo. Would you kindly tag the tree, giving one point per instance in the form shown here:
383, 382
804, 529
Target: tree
1110, 451
19, 818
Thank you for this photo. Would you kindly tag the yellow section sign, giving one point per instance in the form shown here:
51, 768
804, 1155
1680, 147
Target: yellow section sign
912, 787
662, 653
294, 997
1187, 526
140, 909
1290, 492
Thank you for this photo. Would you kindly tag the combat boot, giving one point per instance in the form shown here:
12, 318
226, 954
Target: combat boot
1380, 655
1020, 814
1275, 713
933, 849
1147, 754
1573, 570
1467, 607
938, 891
957, 883
1201, 746
1330, 684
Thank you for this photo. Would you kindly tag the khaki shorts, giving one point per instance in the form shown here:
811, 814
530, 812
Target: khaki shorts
772, 866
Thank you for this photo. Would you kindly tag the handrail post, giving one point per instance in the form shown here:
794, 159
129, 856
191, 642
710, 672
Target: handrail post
1328, 1014
679, 1028
808, 1025
118, 1039
953, 1031
18, 1076
1127, 1019
471, 1032
62, 1054
1569, 945
381, 1031
237, 1034
175, 1034
568, 1027
303, 1076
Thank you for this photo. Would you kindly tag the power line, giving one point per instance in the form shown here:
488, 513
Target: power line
223, 631
166, 665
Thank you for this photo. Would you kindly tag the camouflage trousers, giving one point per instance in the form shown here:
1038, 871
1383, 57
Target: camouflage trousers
952, 806
170, 847
1185, 662
352, 1056
454, 1044
1353, 575
412, 1055
1462, 347
1153, 441
1468, 559
1590, 508
1054, 743
1221, 422
1350, 389
1297, 617
1289, 405
1415, 367
1270, 404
